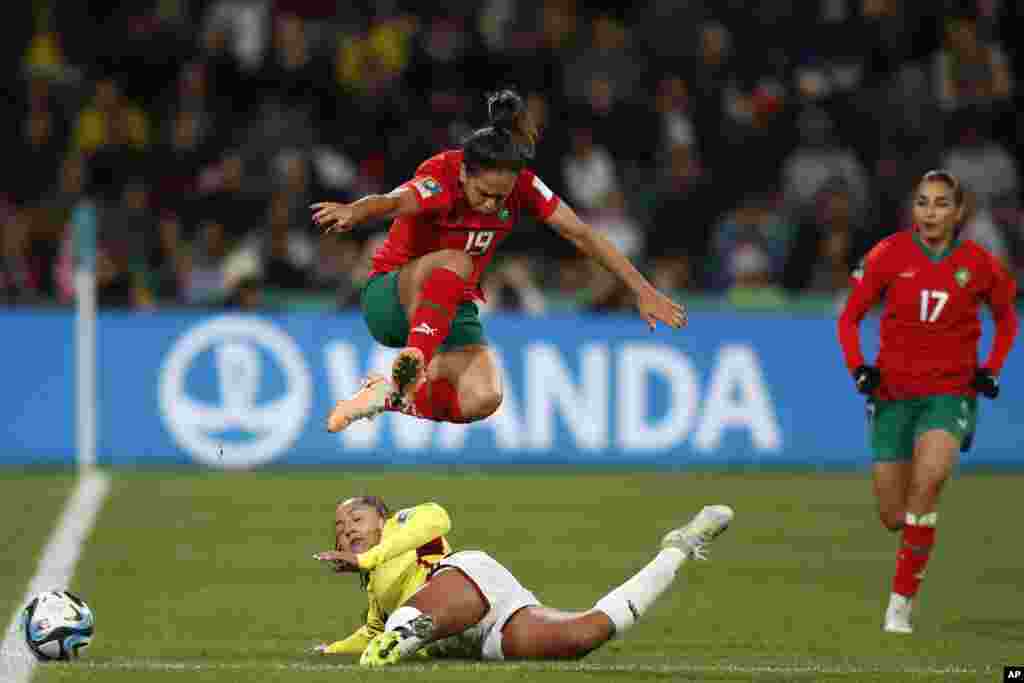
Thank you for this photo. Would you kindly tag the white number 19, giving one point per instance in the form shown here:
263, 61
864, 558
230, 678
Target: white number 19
940, 298
478, 242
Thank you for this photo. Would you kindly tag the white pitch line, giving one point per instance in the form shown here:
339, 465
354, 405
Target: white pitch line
457, 665
56, 567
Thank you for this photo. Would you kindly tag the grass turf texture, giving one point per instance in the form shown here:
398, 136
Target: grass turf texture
208, 576
30, 505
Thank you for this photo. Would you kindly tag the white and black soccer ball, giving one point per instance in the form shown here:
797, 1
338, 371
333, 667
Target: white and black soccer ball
57, 625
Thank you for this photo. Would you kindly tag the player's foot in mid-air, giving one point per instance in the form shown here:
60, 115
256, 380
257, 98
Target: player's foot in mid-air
705, 526
408, 371
897, 614
371, 400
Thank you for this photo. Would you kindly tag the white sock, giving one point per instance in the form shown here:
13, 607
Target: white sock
631, 600
416, 634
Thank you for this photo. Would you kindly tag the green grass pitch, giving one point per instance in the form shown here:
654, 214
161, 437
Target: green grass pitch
207, 576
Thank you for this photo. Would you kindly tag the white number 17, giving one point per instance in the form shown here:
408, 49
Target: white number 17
940, 298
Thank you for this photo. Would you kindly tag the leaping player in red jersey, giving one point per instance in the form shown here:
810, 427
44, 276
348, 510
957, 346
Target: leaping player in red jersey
449, 220
923, 389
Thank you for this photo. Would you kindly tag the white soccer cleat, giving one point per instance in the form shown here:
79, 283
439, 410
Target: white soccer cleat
706, 525
370, 401
897, 614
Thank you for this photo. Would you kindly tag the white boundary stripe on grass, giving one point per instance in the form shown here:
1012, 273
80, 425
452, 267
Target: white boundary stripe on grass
483, 667
56, 566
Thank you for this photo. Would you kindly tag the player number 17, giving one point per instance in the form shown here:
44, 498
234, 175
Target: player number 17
927, 295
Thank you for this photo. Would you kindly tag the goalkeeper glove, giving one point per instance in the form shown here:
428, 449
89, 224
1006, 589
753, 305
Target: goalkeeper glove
985, 383
867, 379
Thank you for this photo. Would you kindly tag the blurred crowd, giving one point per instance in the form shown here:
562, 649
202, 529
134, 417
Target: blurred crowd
751, 151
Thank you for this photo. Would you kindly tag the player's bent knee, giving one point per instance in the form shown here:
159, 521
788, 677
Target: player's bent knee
487, 402
458, 261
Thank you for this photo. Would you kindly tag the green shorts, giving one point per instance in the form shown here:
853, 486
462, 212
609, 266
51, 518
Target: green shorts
389, 325
895, 425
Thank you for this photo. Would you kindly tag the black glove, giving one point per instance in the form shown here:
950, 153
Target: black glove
867, 378
985, 383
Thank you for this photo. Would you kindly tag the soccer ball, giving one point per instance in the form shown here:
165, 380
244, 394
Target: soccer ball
57, 624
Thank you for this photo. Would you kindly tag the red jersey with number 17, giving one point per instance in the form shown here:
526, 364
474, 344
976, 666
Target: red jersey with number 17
930, 326
447, 221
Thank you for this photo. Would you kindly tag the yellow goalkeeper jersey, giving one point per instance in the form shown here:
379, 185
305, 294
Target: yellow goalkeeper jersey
412, 542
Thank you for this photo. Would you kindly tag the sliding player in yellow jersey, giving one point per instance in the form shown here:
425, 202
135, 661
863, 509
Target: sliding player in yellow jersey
425, 599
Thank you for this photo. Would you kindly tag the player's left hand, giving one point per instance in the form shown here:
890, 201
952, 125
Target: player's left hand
655, 307
985, 383
332, 217
342, 560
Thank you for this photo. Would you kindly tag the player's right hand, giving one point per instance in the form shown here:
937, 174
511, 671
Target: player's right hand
341, 560
333, 217
867, 378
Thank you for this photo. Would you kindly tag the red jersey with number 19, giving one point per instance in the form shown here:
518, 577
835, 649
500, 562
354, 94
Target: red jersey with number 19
447, 221
930, 326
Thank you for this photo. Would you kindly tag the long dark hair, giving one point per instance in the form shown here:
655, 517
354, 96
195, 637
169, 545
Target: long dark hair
508, 142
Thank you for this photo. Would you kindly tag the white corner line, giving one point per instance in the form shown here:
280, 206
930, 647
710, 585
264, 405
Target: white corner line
56, 566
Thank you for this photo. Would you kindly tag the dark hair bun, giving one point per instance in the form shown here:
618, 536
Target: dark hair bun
503, 109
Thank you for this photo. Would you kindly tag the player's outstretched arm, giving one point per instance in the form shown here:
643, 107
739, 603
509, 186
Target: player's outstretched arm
334, 217
653, 305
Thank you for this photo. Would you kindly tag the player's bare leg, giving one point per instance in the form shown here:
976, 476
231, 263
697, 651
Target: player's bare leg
430, 289
474, 374
463, 385
449, 603
446, 605
891, 481
935, 456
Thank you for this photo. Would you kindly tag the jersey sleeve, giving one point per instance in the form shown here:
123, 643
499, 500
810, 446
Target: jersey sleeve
413, 528
868, 282
536, 197
430, 186
357, 642
1001, 298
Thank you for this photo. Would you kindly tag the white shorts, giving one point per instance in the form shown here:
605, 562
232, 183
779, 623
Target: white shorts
503, 593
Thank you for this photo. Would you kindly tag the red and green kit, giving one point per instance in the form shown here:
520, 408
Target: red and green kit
930, 325
930, 329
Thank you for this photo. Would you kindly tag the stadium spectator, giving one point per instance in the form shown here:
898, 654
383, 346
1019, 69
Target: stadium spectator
41, 143
228, 196
685, 209
164, 265
754, 284
338, 270
512, 287
984, 165
818, 159
970, 71
204, 265
19, 276
290, 72
363, 92
284, 258
752, 239
109, 119
822, 255
589, 171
